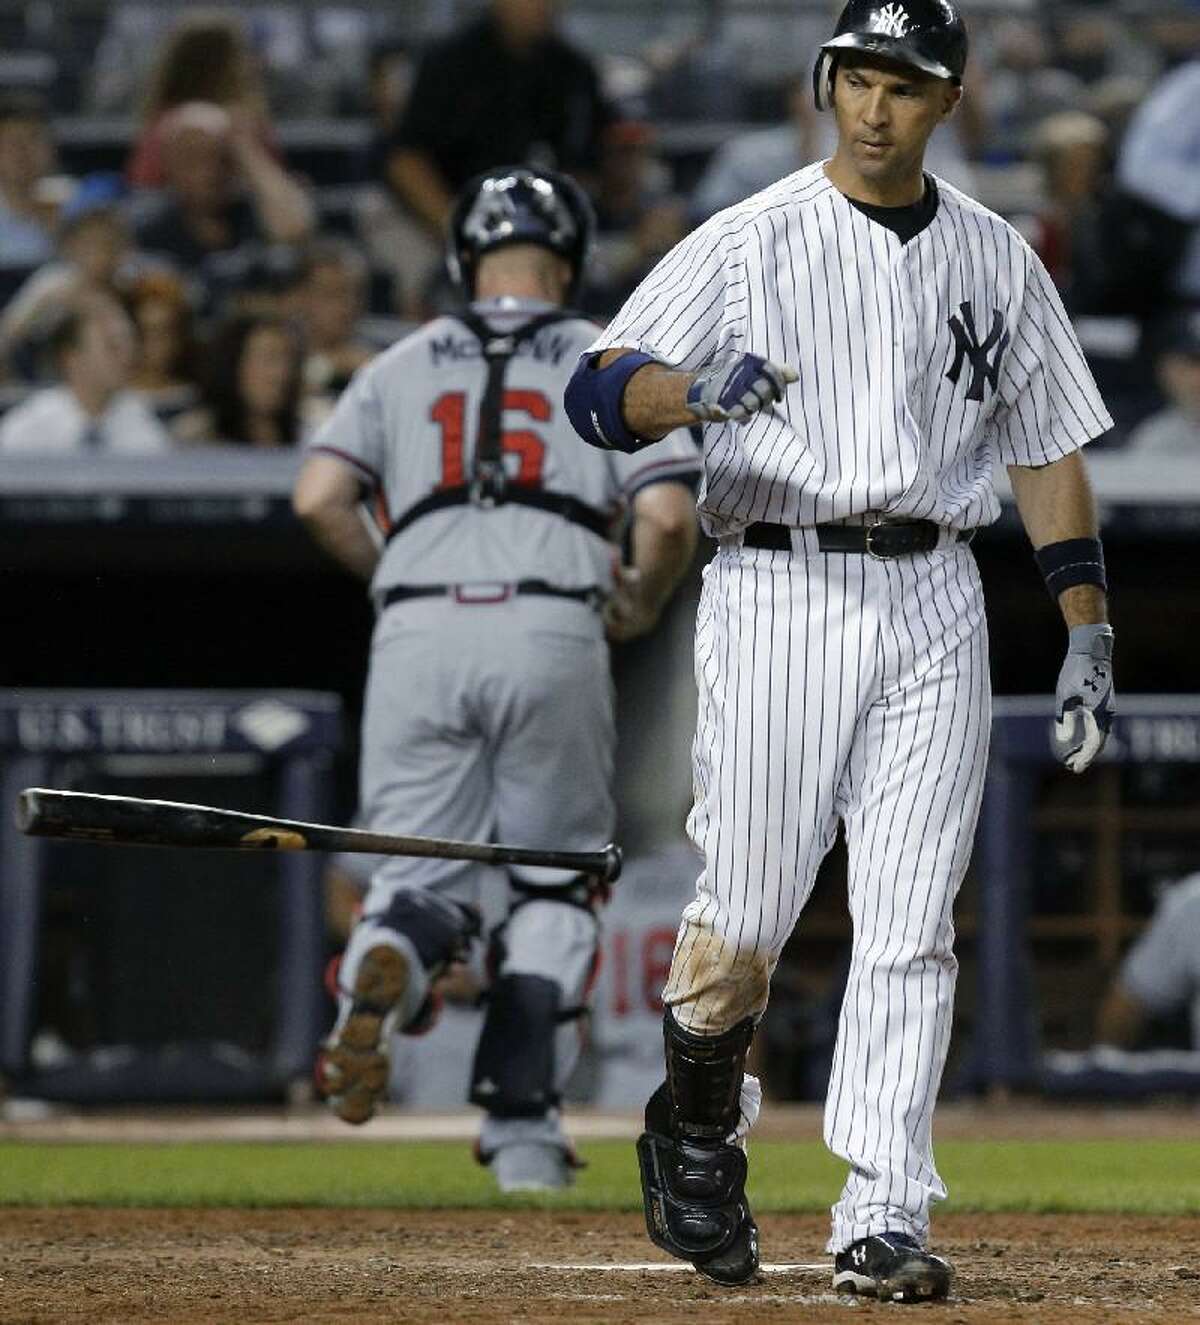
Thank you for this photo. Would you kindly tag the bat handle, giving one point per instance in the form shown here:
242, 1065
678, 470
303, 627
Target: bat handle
613, 861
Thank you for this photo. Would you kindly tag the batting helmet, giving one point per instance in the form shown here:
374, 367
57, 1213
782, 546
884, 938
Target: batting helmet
925, 34
519, 205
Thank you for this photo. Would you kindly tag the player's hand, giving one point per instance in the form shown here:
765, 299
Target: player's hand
1084, 702
738, 387
627, 612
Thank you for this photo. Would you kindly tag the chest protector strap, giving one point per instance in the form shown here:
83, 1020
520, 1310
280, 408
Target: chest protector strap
489, 485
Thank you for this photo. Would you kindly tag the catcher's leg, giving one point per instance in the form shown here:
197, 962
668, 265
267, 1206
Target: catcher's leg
386, 983
544, 959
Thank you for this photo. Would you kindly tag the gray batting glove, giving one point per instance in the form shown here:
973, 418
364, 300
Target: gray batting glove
737, 387
1084, 702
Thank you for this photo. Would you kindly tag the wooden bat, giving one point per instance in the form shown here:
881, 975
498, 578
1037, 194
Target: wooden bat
81, 816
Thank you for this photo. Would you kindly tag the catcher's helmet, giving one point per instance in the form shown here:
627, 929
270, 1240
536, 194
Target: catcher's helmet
926, 34
519, 205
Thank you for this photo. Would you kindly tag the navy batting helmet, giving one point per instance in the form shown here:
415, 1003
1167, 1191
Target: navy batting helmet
925, 34
519, 205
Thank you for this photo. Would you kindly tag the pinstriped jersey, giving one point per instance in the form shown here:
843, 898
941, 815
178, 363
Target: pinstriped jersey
408, 424
922, 364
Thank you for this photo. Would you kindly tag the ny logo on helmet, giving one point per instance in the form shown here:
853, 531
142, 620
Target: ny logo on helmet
967, 346
892, 21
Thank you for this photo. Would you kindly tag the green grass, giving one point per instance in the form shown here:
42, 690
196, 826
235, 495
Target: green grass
1144, 1177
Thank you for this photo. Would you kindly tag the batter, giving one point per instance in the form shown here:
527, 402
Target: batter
865, 346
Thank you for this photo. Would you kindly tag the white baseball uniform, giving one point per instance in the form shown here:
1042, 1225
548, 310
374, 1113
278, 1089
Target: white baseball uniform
836, 686
489, 711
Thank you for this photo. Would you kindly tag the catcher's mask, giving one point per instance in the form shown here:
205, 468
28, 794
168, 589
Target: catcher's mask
519, 205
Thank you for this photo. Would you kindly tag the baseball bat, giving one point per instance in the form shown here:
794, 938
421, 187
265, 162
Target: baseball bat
82, 816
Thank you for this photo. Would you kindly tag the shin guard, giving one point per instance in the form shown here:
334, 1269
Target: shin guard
693, 1179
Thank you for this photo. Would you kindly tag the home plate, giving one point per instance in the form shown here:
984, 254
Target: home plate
666, 1267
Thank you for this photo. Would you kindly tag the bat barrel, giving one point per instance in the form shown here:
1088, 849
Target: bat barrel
81, 816
130, 821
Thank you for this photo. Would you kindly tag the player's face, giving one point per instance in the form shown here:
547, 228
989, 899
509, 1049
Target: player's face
885, 114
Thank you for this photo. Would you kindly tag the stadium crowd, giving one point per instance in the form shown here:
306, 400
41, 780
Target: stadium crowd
219, 282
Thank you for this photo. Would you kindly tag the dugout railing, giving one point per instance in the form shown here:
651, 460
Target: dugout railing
1015, 823
187, 947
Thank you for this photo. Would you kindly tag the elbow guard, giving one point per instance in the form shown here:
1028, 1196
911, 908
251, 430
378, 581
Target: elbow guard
593, 400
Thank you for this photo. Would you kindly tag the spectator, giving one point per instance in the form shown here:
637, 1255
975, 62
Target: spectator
165, 372
205, 58
639, 219
1021, 86
226, 198
1092, 45
95, 256
391, 70
506, 88
1072, 150
1158, 164
251, 390
749, 162
26, 158
330, 300
92, 410
396, 240
1175, 431
1160, 974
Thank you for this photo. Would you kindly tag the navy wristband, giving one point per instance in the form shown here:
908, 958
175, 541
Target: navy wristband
1070, 562
594, 397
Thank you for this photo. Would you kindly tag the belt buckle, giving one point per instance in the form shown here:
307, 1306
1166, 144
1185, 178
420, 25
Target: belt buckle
481, 594
877, 556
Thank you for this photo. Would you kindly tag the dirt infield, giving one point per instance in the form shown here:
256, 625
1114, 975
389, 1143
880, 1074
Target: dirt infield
189, 1266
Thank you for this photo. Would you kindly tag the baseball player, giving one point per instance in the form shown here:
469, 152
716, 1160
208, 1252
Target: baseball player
865, 346
488, 711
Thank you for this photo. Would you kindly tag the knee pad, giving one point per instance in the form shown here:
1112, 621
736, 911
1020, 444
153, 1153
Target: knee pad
704, 1080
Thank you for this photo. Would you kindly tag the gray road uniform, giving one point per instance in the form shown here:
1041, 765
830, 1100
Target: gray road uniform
489, 706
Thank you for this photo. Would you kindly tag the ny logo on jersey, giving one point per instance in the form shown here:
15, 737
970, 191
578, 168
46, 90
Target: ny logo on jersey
892, 21
967, 346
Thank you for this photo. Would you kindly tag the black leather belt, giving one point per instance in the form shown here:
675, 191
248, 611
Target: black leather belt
900, 538
490, 592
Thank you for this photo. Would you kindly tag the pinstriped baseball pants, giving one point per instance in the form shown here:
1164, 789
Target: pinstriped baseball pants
835, 686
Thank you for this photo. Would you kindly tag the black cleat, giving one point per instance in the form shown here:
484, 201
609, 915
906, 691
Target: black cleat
893, 1268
